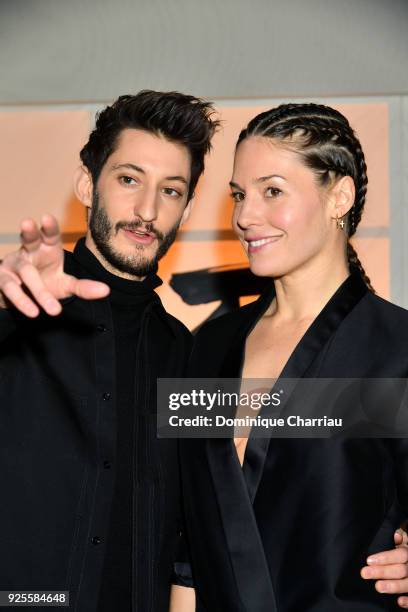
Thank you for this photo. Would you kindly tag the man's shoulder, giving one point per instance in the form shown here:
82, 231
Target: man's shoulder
177, 324
179, 330
226, 324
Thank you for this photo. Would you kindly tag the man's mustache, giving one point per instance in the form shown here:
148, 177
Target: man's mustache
139, 224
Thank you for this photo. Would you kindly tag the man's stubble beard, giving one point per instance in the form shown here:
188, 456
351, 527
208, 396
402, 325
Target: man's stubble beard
102, 231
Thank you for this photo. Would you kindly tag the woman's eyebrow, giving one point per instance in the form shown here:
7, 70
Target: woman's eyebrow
261, 179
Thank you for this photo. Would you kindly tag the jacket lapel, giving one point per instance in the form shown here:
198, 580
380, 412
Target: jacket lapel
304, 363
244, 544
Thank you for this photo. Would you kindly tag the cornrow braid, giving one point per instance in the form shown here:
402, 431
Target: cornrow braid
327, 144
355, 263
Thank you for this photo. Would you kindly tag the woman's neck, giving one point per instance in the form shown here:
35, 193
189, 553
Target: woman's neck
302, 294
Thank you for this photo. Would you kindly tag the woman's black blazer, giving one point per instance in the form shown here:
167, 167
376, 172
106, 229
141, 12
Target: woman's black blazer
290, 531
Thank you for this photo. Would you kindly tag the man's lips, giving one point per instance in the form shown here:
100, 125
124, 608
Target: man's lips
139, 236
256, 244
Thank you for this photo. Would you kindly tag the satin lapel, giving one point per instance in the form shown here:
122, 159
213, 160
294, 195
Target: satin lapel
245, 547
301, 362
244, 543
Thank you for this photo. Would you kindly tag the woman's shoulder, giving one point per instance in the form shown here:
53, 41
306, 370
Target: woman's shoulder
384, 317
386, 308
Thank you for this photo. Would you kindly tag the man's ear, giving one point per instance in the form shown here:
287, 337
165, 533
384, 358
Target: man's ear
342, 196
187, 210
83, 186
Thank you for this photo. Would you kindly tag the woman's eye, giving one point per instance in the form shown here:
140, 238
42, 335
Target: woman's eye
237, 196
172, 192
272, 192
127, 180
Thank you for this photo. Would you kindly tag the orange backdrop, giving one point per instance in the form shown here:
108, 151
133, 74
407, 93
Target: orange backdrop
39, 152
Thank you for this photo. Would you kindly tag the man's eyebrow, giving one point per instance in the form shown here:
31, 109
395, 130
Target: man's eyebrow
129, 166
177, 178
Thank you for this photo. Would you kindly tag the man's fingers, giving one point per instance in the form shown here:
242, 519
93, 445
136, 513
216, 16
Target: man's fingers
30, 235
87, 289
10, 287
50, 230
389, 557
403, 602
392, 586
13, 292
35, 285
398, 570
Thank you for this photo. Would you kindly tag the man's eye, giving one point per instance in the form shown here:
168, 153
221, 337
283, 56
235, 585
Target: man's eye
172, 192
127, 180
272, 192
237, 196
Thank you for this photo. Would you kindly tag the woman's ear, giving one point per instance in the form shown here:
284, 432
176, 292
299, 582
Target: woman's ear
83, 186
342, 196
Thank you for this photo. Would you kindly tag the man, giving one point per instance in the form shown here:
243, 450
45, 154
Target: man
90, 496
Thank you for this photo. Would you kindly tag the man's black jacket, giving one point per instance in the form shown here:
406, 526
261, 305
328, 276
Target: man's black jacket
57, 451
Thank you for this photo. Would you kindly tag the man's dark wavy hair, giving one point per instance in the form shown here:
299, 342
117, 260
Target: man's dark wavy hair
180, 118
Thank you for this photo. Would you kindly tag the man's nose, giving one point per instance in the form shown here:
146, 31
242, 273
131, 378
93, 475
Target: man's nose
146, 205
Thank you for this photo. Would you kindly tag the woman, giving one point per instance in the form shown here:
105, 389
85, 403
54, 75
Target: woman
286, 524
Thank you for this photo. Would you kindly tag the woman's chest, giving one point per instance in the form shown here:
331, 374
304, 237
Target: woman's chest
269, 347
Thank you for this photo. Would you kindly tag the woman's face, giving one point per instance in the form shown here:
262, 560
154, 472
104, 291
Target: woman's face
280, 215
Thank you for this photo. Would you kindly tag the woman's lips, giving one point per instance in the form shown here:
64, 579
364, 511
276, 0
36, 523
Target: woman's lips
139, 237
257, 244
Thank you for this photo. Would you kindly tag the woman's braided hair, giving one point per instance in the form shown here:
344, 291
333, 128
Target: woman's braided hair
327, 144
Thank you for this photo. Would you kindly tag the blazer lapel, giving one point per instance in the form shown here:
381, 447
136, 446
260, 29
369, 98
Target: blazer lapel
244, 543
304, 363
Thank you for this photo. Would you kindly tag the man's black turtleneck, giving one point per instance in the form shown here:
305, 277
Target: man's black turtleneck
129, 300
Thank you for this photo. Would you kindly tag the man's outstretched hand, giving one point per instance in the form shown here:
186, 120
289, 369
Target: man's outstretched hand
33, 277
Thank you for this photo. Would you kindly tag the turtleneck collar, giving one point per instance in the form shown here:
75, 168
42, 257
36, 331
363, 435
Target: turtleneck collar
121, 288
